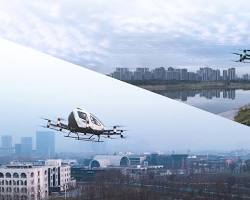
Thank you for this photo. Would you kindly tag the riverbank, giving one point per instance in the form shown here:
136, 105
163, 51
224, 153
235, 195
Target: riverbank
240, 115
229, 114
159, 87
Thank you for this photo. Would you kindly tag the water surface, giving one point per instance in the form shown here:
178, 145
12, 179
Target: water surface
212, 100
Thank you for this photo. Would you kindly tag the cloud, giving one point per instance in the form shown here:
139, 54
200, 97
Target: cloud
104, 34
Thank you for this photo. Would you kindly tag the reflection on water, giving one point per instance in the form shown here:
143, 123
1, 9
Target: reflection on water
209, 94
212, 100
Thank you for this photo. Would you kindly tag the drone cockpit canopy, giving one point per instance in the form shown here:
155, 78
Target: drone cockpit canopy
81, 119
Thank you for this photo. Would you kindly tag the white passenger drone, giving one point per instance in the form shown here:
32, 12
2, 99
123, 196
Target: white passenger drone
244, 56
82, 125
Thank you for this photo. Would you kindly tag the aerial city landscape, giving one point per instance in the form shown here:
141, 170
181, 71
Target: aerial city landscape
141, 175
125, 100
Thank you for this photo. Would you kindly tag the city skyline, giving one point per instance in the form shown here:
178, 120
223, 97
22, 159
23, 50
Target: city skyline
43, 144
177, 74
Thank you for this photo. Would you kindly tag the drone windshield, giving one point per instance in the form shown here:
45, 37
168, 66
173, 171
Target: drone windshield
95, 120
82, 115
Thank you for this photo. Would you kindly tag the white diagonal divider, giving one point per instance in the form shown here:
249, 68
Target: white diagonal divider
33, 84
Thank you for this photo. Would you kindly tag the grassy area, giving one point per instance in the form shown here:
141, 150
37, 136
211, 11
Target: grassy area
243, 116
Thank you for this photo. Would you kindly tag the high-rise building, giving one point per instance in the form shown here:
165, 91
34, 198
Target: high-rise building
122, 74
18, 149
159, 73
142, 73
6, 145
245, 77
193, 76
231, 74
207, 74
183, 74
6, 141
173, 74
26, 146
45, 143
217, 75
224, 76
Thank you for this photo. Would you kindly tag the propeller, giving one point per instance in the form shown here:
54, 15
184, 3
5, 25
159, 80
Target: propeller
50, 128
244, 49
49, 120
59, 122
118, 126
123, 137
61, 119
239, 54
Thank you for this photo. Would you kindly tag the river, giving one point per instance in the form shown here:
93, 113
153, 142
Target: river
216, 101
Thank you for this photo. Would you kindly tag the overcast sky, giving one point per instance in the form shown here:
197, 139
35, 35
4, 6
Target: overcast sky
106, 34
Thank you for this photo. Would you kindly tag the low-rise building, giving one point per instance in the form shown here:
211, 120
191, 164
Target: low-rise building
104, 161
59, 175
24, 182
34, 180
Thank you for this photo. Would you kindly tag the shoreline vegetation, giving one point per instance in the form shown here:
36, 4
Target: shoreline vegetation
243, 115
160, 86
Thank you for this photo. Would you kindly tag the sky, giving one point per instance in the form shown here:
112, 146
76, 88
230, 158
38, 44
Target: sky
35, 85
103, 35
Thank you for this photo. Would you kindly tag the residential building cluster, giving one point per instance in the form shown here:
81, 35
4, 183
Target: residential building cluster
175, 74
246, 77
34, 181
45, 145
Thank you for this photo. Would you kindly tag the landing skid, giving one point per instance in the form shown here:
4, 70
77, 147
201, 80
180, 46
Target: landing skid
84, 139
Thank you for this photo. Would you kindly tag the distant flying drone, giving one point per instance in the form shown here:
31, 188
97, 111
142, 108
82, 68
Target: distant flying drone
243, 56
83, 125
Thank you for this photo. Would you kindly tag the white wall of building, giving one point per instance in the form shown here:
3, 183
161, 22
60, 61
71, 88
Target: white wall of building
24, 183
